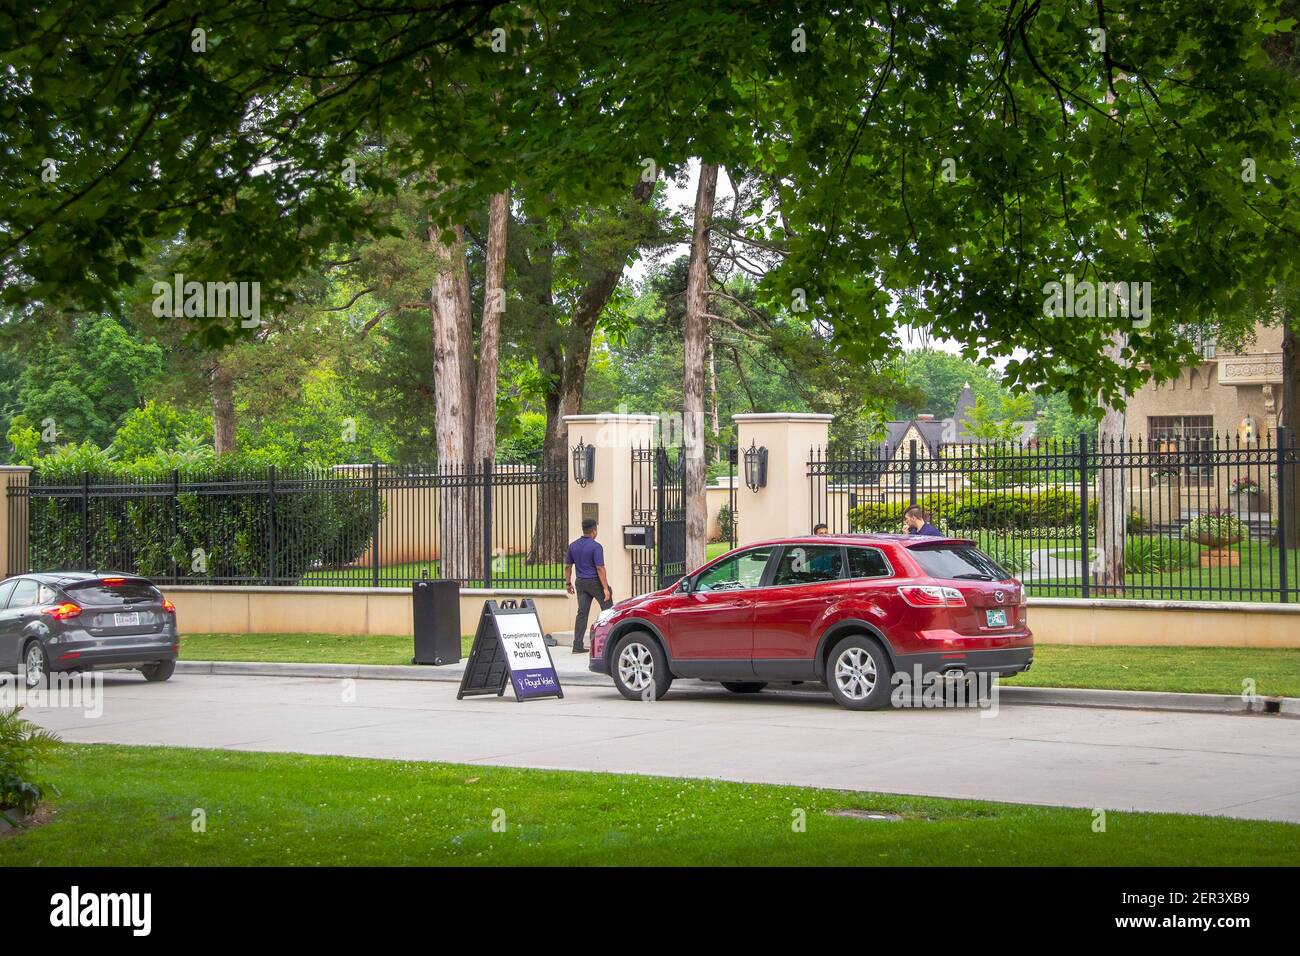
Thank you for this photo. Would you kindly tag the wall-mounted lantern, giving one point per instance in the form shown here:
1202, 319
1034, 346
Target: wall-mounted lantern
755, 467
584, 463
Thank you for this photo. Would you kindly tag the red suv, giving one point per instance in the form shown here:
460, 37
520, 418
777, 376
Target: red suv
849, 610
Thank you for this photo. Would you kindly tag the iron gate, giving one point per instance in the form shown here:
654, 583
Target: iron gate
658, 502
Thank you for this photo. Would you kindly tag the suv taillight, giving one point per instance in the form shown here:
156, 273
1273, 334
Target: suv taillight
168, 606
1024, 596
931, 595
61, 612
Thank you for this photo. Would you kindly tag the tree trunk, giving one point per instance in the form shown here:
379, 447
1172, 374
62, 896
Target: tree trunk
489, 339
548, 542
451, 400
223, 407
569, 372
695, 339
713, 405
1112, 516
483, 421
1289, 418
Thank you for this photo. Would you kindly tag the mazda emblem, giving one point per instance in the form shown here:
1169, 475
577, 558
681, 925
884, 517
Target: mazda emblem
999, 596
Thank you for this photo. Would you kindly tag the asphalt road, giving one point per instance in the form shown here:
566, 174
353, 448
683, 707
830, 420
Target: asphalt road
1234, 765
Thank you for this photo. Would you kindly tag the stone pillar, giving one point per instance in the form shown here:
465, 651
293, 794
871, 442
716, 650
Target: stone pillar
13, 536
608, 496
783, 507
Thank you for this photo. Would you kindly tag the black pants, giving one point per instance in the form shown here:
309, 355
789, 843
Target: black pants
588, 589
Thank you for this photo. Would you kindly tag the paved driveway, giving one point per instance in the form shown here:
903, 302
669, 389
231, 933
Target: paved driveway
1238, 765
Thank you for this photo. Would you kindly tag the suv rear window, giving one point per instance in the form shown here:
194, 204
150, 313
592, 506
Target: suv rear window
98, 594
953, 562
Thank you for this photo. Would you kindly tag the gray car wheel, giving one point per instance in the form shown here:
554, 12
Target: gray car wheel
36, 669
159, 671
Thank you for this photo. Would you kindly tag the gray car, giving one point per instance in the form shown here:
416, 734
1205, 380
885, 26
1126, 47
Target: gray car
83, 621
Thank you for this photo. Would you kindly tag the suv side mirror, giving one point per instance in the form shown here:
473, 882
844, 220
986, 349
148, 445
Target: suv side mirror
684, 585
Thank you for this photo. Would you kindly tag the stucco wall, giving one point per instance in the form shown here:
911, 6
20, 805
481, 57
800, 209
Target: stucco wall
1164, 624
222, 610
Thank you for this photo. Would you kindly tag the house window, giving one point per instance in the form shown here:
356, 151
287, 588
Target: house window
1204, 342
1187, 440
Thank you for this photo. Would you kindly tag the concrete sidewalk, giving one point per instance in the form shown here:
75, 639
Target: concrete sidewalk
573, 672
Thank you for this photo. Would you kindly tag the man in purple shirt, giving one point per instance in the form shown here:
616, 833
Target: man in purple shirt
588, 559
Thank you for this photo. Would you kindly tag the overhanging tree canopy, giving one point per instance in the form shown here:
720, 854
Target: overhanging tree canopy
937, 164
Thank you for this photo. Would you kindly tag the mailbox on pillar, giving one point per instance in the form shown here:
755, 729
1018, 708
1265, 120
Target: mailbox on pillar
639, 537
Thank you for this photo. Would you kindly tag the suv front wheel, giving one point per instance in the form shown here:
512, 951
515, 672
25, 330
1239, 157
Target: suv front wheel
858, 673
639, 668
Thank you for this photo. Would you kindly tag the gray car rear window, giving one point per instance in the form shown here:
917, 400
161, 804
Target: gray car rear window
95, 594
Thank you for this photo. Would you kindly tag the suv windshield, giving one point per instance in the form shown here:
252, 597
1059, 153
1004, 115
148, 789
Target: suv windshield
955, 562
99, 594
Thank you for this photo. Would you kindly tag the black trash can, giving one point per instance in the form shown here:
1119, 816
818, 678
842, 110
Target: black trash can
436, 606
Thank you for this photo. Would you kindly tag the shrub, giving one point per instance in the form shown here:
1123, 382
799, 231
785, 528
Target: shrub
1151, 555
1244, 486
1215, 528
726, 522
144, 529
22, 746
1002, 511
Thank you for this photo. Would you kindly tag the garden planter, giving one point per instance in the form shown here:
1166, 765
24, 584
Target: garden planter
1219, 558
1211, 540
1245, 504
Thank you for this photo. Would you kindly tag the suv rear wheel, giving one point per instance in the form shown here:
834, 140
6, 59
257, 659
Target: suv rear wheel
858, 673
639, 668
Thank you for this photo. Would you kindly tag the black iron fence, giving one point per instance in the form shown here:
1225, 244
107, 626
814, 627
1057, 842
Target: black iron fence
489, 525
1147, 518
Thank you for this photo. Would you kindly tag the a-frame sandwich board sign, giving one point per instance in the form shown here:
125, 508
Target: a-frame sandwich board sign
510, 648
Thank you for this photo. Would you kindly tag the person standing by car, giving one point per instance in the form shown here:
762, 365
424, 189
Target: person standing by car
918, 522
820, 529
587, 559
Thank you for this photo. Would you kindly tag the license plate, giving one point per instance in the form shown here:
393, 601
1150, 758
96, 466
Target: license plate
132, 619
997, 617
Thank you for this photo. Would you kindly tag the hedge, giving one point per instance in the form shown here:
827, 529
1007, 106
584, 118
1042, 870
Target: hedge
320, 521
1002, 511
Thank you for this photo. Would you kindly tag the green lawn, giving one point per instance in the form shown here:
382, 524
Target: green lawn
511, 571
1256, 578
304, 648
125, 806
1192, 670
1205, 670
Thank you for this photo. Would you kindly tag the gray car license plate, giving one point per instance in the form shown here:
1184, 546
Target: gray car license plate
133, 619
997, 617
